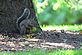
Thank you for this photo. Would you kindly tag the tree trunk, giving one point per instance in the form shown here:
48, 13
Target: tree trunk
10, 10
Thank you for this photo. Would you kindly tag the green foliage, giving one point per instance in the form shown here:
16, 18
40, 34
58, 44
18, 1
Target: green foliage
58, 11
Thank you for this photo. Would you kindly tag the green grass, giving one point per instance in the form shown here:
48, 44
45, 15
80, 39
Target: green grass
65, 27
44, 52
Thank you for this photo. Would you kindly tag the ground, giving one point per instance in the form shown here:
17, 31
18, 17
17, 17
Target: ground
48, 39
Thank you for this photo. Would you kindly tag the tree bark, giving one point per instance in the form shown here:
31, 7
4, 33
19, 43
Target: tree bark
10, 10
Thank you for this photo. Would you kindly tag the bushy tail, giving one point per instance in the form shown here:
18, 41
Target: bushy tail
23, 16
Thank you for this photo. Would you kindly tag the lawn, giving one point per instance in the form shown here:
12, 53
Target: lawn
65, 27
44, 52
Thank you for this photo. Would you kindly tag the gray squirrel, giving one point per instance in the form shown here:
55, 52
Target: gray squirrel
22, 21
25, 24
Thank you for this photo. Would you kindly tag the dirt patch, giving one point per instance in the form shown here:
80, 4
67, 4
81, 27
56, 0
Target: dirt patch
47, 39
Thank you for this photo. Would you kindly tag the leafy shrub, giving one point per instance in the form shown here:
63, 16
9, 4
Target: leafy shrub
58, 11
